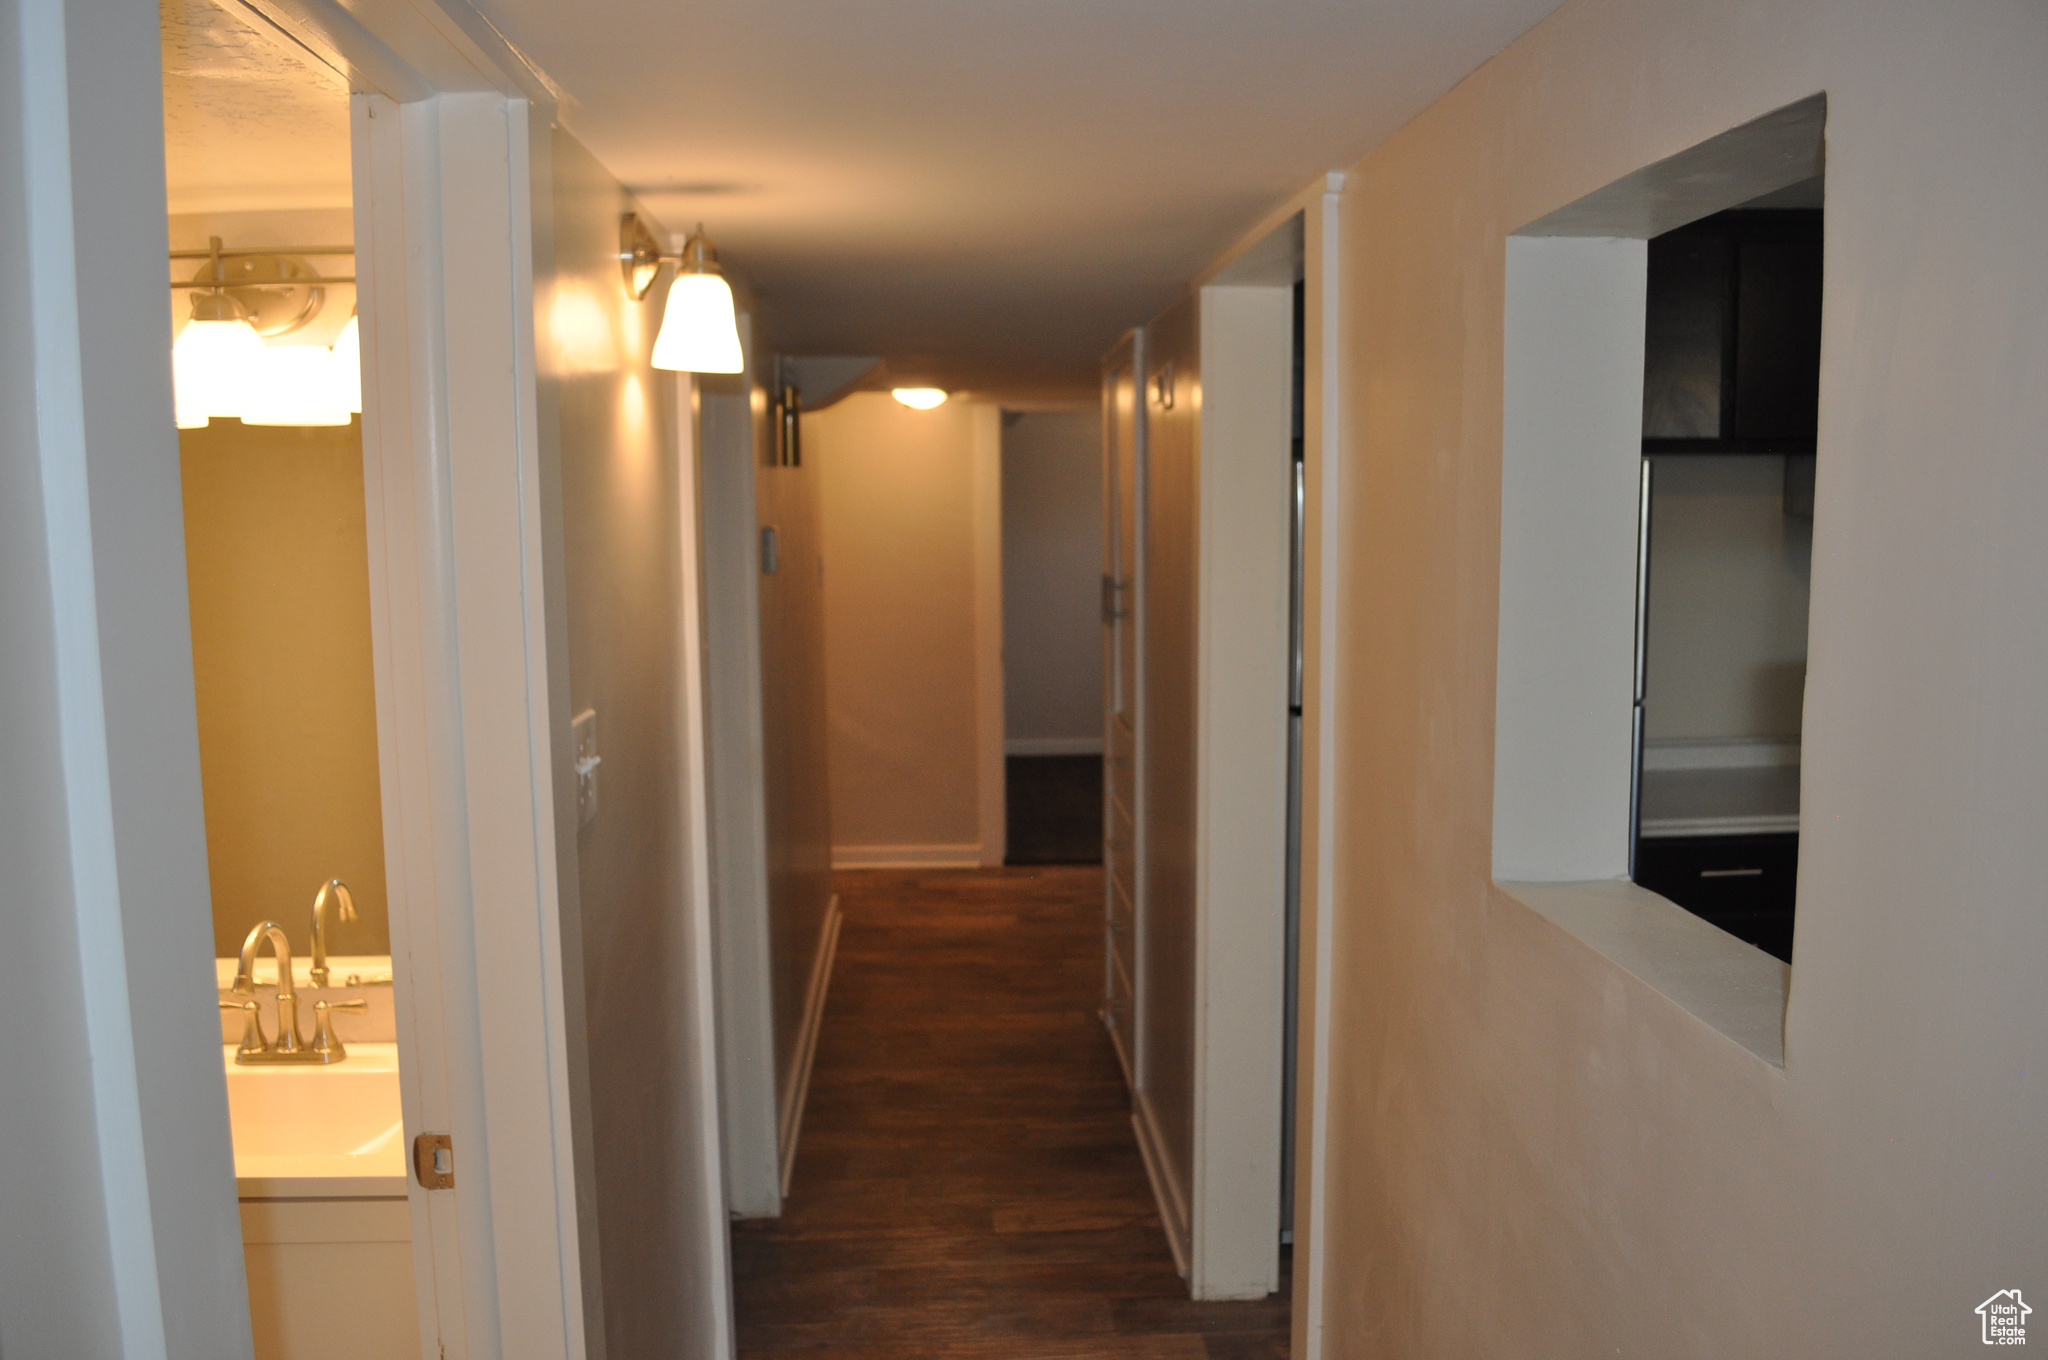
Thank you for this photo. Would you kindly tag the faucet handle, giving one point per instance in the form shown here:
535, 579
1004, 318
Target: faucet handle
325, 1041
252, 1027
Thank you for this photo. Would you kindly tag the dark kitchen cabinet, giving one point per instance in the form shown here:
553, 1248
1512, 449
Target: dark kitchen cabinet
1732, 334
1743, 884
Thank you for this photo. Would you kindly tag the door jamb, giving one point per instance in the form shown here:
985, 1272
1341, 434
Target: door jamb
1320, 206
464, 512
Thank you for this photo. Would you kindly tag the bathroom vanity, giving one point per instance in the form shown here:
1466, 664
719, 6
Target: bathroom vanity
320, 1168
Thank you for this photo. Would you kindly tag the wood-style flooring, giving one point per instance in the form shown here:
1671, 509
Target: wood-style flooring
967, 1183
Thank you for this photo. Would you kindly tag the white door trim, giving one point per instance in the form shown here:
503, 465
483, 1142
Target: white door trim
693, 758
1320, 206
460, 622
1322, 524
464, 515
987, 515
729, 444
122, 1234
459, 507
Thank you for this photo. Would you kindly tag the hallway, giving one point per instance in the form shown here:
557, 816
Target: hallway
967, 1182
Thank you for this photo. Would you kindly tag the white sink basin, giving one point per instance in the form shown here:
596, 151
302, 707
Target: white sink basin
318, 1132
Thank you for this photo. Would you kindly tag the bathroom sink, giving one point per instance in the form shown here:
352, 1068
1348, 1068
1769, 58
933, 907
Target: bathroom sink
318, 1132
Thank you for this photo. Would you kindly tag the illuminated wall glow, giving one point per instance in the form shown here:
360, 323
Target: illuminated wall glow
583, 329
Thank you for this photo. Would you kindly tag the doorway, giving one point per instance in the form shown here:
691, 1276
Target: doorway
1052, 649
1204, 486
267, 390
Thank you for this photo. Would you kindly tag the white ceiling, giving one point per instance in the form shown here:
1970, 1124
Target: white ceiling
987, 192
249, 121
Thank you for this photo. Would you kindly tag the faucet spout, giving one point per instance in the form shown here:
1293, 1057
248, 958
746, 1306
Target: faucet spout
288, 1040
345, 907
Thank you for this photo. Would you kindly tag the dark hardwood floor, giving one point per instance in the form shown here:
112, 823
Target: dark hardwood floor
967, 1183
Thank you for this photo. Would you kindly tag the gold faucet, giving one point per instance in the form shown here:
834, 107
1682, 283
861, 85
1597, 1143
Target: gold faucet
287, 1046
345, 906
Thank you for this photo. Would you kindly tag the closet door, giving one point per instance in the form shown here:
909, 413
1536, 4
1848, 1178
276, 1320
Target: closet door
1122, 619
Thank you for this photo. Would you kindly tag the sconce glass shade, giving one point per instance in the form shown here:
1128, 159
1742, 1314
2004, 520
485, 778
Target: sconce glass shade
348, 367
699, 333
294, 385
210, 367
920, 398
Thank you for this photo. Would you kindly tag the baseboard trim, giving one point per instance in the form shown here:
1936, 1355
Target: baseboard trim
1053, 746
1116, 1042
907, 856
792, 1114
1173, 1214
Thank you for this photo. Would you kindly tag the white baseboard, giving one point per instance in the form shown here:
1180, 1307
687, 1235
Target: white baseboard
1173, 1209
1052, 746
966, 856
1116, 1041
792, 1115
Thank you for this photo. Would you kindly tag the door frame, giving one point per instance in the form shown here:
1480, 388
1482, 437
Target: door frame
482, 882
1319, 206
468, 617
1123, 599
465, 533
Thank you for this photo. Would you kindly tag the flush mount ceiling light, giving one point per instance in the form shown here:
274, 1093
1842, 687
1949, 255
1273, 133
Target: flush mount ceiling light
920, 398
699, 332
220, 365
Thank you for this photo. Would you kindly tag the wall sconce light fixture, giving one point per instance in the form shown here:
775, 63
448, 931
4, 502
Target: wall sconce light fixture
699, 332
221, 365
920, 398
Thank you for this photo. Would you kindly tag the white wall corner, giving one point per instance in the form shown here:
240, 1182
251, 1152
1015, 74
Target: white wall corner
1571, 455
1246, 481
987, 440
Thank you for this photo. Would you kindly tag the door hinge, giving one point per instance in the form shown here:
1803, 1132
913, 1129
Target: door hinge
433, 1161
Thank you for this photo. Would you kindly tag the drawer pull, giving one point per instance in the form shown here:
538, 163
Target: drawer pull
1731, 873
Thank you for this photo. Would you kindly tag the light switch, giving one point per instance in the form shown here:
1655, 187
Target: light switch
584, 729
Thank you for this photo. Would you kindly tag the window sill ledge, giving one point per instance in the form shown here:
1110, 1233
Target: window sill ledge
1730, 986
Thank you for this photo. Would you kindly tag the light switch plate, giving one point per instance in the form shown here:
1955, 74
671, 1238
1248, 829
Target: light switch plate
583, 728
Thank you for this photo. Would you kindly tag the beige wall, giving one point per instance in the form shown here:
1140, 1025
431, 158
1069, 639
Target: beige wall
624, 538
278, 572
1530, 1150
1052, 581
909, 530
